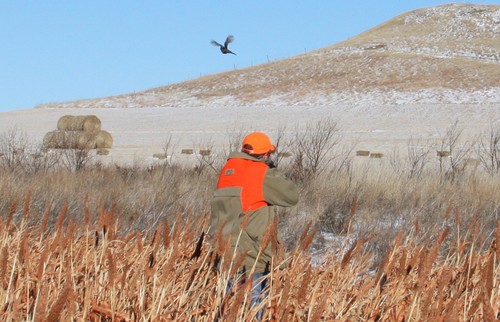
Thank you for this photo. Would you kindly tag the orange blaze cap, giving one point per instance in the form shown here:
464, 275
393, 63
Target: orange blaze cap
257, 143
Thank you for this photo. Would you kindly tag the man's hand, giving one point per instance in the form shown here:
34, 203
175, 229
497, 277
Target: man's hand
270, 163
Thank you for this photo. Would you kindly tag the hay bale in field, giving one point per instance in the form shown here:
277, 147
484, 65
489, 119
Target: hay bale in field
103, 140
376, 155
204, 152
443, 154
161, 156
87, 123
69, 140
53, 140
362, 153
187, 151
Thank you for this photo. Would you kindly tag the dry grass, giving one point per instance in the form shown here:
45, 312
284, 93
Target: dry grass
106, 243
90, 272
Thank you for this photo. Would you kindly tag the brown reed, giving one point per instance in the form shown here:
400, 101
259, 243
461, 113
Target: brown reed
461, 284
4, 254
112, 271
61, 217
58, 306
10, 216
23, 247
26, 209
42, 296
45, 218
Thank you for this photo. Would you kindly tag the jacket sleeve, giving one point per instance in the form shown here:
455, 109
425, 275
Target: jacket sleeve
278, 190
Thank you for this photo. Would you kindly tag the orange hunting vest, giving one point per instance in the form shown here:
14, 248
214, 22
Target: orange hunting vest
247, 175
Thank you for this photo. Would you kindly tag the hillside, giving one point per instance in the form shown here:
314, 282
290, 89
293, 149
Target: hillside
437, 55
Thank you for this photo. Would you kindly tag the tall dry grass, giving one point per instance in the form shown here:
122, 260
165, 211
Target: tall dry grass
339, 191
83, 269
386, 200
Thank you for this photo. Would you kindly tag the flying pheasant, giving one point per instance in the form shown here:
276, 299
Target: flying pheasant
223, 48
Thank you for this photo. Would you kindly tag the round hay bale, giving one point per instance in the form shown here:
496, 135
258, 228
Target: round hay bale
104, 140
69, 140
362, 153
85, 140
53, 140
161, 156
87, 123
187, 151
376, 155
443, 154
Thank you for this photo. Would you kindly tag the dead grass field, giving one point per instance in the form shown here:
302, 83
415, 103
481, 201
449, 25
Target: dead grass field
82, 269
385, 241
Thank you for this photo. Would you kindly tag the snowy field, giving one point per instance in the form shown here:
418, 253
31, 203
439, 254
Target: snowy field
138, 133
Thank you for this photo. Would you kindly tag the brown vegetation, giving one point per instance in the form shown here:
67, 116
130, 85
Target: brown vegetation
84, 269
398, 238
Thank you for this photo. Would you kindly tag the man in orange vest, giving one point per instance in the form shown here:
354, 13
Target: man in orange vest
242, 207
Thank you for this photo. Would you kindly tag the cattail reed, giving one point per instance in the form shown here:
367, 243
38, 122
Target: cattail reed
88, 214
58, 306
41, 304
26, 209
266, 239
62, 216
244, 221
112, 271
309, 239
10, 216
347, 256
303, 236
45, 218
23, 246
3, 263
166, 234
412, 282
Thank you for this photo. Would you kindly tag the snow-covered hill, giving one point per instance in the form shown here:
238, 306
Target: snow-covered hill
440, 55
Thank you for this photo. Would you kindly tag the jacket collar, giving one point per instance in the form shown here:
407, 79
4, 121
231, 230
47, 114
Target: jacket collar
242, 155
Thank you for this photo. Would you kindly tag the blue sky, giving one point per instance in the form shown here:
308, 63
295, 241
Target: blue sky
56, 51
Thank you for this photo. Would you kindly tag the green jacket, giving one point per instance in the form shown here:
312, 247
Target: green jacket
226, 210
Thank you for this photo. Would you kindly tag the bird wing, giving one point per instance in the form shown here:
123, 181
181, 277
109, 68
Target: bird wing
229, 39
213, 42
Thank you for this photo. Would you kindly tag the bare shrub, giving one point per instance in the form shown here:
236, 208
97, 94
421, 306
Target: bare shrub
312, 148
14, 144
235, 138
169, 149
413, 165
40, 160
451, 167
283, 146
489, 151
75, 159
206, 156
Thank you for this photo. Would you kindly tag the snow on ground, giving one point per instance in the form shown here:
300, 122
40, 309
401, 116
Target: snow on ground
138, 133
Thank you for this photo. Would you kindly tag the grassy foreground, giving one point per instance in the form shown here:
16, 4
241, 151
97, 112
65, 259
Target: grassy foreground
80, 269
